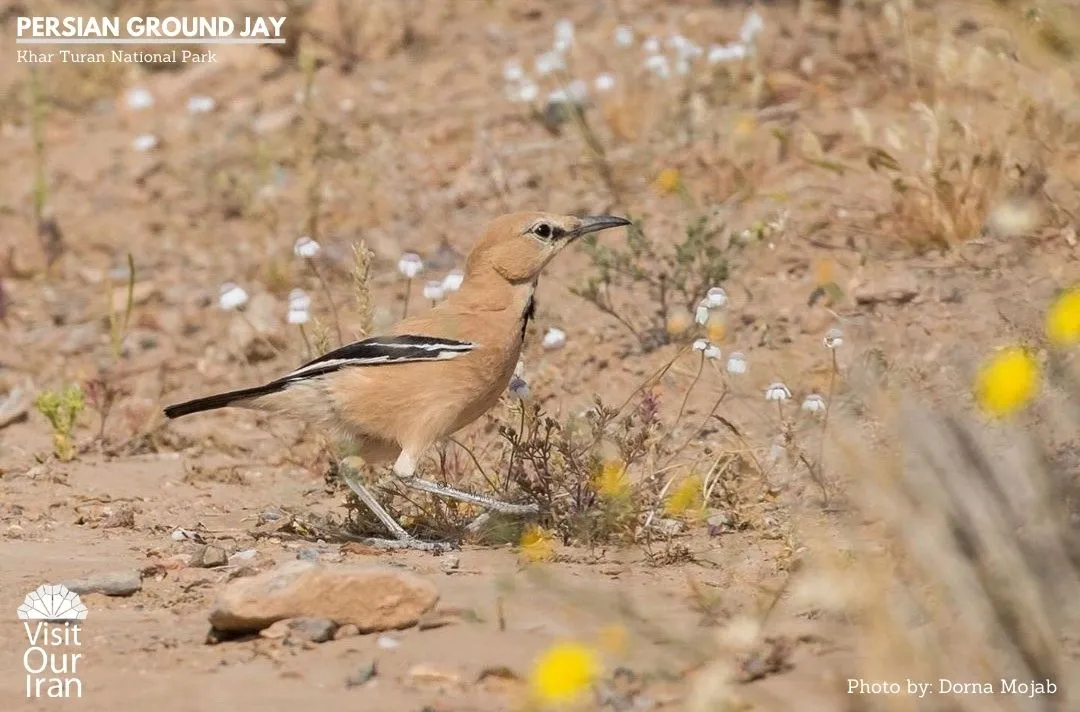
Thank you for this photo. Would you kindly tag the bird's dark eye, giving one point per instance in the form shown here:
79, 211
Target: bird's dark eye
543, 231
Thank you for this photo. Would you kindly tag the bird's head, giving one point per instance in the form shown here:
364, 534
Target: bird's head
519, 245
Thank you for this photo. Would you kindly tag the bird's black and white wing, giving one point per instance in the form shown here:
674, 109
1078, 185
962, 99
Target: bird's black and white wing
382, 351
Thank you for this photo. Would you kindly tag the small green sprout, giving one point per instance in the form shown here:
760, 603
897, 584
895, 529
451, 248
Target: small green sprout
61, 409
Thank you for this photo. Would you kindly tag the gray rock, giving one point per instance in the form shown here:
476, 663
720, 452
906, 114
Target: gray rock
209, 556
113, 583
310, 630
363, 674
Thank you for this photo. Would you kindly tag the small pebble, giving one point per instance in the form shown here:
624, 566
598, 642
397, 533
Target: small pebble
346, 631
308, 554
386, 642
209, 556
310, 630
243, 557
363, 674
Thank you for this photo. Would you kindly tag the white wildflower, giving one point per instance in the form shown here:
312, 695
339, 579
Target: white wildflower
577, 90
834, 338
777, 392
144, 143
736, 364
200, 104
298, 316
813, 403
138, 99
682, 66
554, 338
453, 280
305, 247
713, 352
684, 48
410, 265
701, 313
604, 82
751, 26
701, 345
548, 62
624, 35
726, 53
519, 388
433, 291
564, 35
231, 296
558, 96
658, 65
651, 46
526, 93
299, 300
513, 71
716, 298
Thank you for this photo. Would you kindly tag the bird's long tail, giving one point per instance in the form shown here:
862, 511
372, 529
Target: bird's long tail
220, 400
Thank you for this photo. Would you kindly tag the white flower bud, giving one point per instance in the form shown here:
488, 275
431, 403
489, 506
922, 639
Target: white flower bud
410, 265
453, 280
433, 291
306, 248
736, 364
231, 296
716, 298
554, 338
777, 392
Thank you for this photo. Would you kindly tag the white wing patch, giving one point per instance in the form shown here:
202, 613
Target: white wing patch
381, 351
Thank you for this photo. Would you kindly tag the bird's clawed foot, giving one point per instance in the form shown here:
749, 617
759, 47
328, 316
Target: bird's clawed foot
477, 499
402, 539
410, 542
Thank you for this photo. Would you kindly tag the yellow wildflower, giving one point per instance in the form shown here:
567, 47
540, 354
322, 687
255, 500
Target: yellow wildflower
745, 126
823, 272
613, 638
536, 544
1007, 382
563, 673
669, 181
716, 327
685, 497
612, 482
1063, 319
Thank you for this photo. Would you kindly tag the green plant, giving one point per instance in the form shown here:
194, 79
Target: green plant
671, 280
62, 409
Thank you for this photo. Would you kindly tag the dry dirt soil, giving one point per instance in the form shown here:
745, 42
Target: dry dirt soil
419, 147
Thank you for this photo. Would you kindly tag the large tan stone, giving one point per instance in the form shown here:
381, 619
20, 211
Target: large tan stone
371, 598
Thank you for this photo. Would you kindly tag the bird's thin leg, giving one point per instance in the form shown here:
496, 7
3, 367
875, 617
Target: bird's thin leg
402, 540
405, 466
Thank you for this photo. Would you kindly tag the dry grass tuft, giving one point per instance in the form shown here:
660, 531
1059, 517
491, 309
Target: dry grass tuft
981, 574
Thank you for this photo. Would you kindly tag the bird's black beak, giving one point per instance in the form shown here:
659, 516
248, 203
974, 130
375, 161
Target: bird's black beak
596, 223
